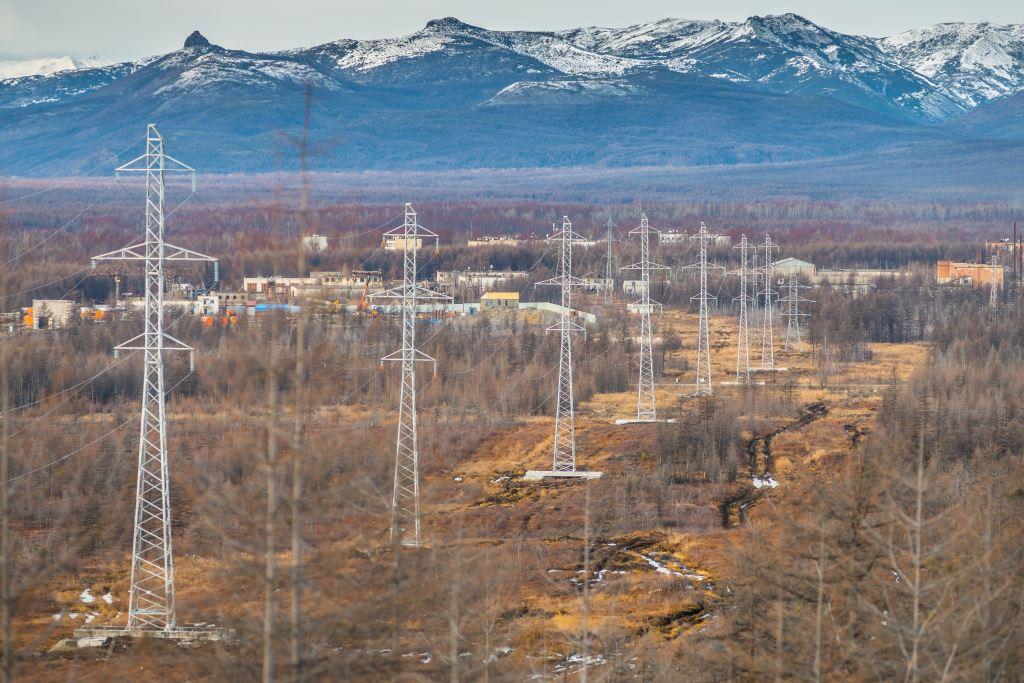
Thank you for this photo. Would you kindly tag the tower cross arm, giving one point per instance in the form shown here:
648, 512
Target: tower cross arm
567, 234
560, 280
167, 343
650, 265
137, 252
422, 293
414, 230
141, 164
417, 357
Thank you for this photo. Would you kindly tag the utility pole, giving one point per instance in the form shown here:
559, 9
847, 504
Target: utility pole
151, 597
609, 273
703, 342
793, 300
993, 294
1015, 253
564, 450
743, 334
767, 324
405, 497
646, 407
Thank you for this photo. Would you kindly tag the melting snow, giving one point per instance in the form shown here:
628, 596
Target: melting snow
765, 482
87, 597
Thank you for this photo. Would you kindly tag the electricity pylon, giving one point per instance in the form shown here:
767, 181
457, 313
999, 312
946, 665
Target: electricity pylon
405, 496
793, 300
609, 273
767, 324
646, 408
151, 596
703, 341
743, 334
564, 451
753, 281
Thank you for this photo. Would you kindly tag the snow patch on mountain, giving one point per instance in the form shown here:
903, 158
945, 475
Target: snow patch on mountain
972, 62
47, 66
215, 68
567, 91
370, 54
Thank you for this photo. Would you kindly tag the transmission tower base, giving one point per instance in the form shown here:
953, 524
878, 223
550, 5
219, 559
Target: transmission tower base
635, 421
541, 475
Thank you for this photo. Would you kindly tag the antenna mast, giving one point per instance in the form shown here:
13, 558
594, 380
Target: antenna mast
151, 597
405, 496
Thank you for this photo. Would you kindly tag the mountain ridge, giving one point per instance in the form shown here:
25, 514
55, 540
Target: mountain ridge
454, 95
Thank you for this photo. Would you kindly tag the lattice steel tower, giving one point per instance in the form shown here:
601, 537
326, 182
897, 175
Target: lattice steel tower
564, 451
767, 324
646, 407
703, 341
794, 335
151, 596
405, 496
743, 334
609, 273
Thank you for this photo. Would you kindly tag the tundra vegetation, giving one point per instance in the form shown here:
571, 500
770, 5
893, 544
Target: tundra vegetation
891, 548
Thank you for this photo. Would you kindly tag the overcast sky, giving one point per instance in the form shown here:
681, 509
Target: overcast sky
123, 29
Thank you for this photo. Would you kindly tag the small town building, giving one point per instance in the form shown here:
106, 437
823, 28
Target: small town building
492, 301
480, 280
314, 243
489, 241
968, 274
794, 266
672, 237
633, 287
856, 280
399, 243
50, 314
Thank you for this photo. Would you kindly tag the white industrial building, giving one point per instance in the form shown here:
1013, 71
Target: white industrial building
51, 314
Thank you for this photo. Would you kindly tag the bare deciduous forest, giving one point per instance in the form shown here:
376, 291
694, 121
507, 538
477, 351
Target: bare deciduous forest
891, 548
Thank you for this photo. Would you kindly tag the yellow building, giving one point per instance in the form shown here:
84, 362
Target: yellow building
499, 301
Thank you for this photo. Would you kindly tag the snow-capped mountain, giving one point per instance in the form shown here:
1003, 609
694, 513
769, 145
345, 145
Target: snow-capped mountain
774, 88
973, 63
785, 53
46, 66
